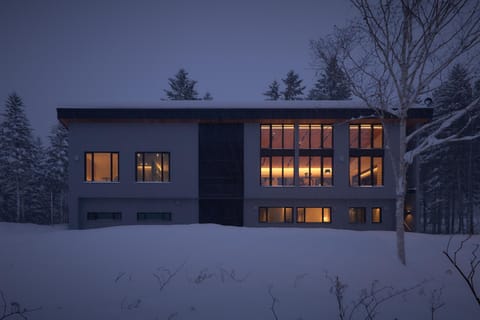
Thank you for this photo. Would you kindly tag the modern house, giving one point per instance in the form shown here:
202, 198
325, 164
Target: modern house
274, 163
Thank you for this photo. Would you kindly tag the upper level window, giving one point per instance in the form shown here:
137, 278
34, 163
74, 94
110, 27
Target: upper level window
279, 164
366, 155
101, 166
152, 166
277, 154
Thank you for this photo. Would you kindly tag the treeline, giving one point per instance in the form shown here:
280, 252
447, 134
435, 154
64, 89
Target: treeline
33, 177
450, 175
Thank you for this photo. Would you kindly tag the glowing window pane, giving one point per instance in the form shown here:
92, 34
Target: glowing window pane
101, 167
288, 170
276, 215
304, 171
354, 171
114, 167
166, 167
316, 136
353, 136
316, 171
327, 137
313, 215
376, 215
378, 171
304, 136
277, 171
300, 215
327, 171
265, 136
88, 167
377, 137
277, 136
327, 215
265, 171
288, 136
365, 136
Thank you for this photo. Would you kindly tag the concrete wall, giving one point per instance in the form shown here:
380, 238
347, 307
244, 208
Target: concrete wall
178, 196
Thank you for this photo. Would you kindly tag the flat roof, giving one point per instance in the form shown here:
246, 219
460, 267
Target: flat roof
214, 111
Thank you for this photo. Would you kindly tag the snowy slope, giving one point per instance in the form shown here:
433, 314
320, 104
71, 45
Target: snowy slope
216, 272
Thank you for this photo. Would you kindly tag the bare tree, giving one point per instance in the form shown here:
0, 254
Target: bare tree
393, 54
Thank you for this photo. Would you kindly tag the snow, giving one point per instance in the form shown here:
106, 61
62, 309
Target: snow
219, 272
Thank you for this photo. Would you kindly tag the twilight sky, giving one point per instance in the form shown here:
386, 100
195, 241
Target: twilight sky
102, 52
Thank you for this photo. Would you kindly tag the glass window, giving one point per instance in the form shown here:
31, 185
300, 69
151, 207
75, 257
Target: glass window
275, 215
354, 129
366, 171
327, 171
101, 166
327, 137
377, 136
376, 215
152, 166
315, 136
154, 216
265, 171
356, 215
104, 216
265, 136
314, 215
366, 136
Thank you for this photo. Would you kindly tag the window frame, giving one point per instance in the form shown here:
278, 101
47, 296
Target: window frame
162, 153
357, 151
297, 220
285, 221
92, 169
363, 213
145, 219
380, 215
97, 216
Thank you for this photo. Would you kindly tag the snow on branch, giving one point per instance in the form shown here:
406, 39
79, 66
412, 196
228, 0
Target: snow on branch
437, 131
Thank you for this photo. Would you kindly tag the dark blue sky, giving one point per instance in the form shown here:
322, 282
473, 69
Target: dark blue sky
102, 52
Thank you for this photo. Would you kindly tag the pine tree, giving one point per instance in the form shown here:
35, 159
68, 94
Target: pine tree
273, 92
293, 86
451, 188
16, 158
181, 87
57, 174
332, 85
207, 96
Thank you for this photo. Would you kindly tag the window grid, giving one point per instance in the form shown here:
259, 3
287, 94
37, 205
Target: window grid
307, 215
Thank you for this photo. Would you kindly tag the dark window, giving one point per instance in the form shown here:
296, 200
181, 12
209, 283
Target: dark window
104, 216
356, 215
154, 216
101, 166
366, 155
275, 215
376, 215
152, 166
314, 215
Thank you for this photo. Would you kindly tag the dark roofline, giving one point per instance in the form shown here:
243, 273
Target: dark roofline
66, 115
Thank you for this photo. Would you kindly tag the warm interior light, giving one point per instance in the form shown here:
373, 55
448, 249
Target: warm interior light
367, 172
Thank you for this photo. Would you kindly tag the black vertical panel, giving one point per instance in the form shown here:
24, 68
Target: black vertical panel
221, 173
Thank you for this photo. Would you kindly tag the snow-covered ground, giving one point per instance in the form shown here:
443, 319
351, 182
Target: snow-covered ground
217, 272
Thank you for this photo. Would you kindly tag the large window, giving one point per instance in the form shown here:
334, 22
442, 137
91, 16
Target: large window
152, 166
376, 215
304, 159
101, 166
277, 154
366, 155
275, 215
357, 215
314, 215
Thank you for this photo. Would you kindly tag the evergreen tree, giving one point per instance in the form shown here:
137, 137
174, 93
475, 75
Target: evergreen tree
57, 174
293, 86
181, 87
450, 171
207, 96
332, 85
476, 89
273, 92
16, 159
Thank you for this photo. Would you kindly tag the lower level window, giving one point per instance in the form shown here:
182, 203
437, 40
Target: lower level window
314, 215
356, 215
104, 216
154, 216
275, 215
376, 215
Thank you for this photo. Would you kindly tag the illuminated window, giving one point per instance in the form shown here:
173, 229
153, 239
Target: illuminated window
366, 155
314, 165
152, 166
104, 216
154, 216
277, 155
275, 215
101, 166
356, 215
314, 215
376, 215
